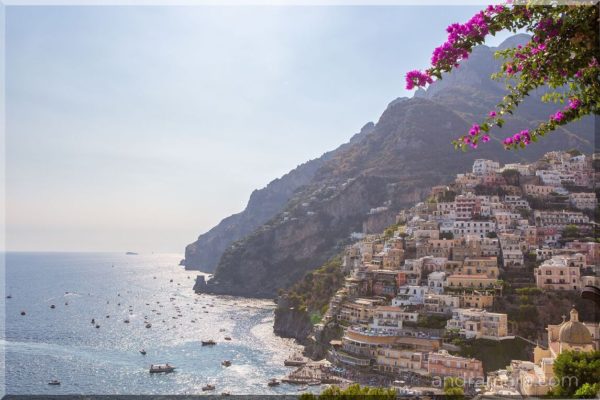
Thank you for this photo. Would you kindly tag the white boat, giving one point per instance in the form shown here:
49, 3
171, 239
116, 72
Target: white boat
157, 368
208, 387
54, 382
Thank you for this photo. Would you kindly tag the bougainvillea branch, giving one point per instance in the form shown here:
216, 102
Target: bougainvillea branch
562, 55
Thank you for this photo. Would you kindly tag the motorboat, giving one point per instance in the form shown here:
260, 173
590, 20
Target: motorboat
297, 360
143, 352
226, 363
273, 382
227, 337
54, 382
157, 368
208, 387
209, 342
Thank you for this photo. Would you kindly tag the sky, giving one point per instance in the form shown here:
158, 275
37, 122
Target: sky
139, 128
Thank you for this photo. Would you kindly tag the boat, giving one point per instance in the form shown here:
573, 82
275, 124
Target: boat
131, 253
148, 325
226, 363
158, 368
52, 306
209, 342
54, 382
9, 297
126, 321
302, 388
143, 352
23, 313
97, 326
273, 382
227, 338
296, 360
208, 387
314, 383
225, 394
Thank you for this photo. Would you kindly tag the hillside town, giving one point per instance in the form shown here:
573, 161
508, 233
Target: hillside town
413, 294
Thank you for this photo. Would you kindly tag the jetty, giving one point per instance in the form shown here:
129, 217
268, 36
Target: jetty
313, 373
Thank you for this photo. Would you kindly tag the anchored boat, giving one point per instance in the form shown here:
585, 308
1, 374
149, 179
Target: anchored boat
157, 368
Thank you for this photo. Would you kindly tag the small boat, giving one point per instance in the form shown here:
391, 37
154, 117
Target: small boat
97, 326
225, 394
158, 368
209, 342
227, 338
143, 352
148, 325
23, 313
54, 382
93, 321
9, 297
126, 321
273, 382
226, 363
296, 360
314, 383
208, 387
52, 306
302, 388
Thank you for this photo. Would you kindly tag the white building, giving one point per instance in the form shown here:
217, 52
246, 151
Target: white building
473, 227
435, 281
583, 201
484, 167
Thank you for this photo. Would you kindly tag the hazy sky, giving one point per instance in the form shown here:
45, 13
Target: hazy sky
138, 128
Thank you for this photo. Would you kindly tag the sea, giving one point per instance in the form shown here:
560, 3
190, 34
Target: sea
62, 343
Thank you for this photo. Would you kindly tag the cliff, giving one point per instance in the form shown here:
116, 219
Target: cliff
206, 251
405, 153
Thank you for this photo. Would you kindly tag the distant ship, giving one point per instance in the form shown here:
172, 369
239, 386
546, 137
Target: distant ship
131, 253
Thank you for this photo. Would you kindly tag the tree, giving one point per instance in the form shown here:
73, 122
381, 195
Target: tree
588, 391
563, 55
352, 392
571, 231
453, 387
573, 370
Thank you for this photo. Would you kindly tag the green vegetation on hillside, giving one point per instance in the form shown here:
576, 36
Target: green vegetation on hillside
314, 291
495, 354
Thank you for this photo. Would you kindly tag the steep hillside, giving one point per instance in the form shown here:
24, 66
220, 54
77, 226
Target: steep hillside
407, 152
206, 251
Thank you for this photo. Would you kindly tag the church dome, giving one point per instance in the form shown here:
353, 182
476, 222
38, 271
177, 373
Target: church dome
574, 332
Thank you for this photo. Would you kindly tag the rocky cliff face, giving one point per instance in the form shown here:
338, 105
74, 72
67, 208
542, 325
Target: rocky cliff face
392, 166
291, 323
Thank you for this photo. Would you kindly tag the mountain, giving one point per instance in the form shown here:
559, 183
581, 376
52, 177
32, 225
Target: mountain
205, 253
361, 185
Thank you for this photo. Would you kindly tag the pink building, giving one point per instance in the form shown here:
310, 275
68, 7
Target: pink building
443, 364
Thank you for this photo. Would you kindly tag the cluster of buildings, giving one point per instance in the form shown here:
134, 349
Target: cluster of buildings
445, 259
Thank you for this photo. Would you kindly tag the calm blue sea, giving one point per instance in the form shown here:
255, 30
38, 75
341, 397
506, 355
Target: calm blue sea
63, 344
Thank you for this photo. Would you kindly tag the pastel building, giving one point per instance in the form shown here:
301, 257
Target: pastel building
443, 364
474, 323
